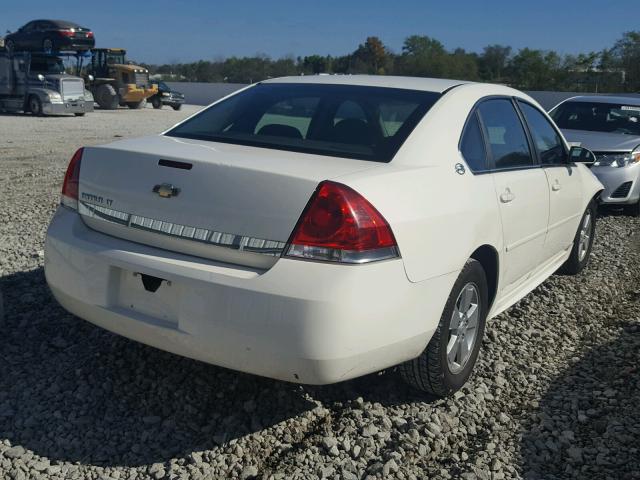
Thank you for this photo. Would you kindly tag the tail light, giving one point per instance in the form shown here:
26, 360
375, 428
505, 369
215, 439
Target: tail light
67, 33
340, 225
71, 181
89, 34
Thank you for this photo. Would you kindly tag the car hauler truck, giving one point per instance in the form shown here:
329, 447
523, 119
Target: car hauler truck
37, 83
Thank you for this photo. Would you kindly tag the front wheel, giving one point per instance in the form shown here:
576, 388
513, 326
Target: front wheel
582, 243
35, 105
177, 107
156, 103
447, 362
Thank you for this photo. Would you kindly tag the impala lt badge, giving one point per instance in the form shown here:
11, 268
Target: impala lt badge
166, 190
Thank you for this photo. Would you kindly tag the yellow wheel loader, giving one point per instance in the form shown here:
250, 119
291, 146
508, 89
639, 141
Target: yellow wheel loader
114, 82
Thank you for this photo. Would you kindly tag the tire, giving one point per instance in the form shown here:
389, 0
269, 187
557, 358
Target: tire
48, 45
35, 106
9, 46
177, 107
582, 243
107, 97
632, 210
156, 103
435, 371
137, 105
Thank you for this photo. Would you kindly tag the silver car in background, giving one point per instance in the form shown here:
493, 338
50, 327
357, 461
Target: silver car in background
609, 126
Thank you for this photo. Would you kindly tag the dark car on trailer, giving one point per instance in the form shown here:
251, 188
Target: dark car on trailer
49, 36
167, 96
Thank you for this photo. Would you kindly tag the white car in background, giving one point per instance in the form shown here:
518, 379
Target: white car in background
315, 229
610, 127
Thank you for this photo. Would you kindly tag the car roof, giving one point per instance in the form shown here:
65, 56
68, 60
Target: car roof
438, 85
621, 99
58, 23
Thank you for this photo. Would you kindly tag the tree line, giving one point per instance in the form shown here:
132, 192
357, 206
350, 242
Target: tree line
614, 69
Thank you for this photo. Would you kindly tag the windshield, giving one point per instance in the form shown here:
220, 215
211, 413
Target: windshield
46, 65
598, 117
115, 59
367, 123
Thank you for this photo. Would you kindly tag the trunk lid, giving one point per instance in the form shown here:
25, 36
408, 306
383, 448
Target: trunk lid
235, 204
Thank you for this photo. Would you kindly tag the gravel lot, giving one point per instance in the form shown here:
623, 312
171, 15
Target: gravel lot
555, 395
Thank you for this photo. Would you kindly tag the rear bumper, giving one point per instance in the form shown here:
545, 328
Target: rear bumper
299, 321
66, 43
614, 178
67, 107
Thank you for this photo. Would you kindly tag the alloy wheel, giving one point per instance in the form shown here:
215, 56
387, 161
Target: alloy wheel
584, 240
463, 328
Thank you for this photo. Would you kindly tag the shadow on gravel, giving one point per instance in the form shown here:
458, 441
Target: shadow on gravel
588, 423
73, 392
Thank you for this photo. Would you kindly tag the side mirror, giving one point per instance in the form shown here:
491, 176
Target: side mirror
582, 155
41, 77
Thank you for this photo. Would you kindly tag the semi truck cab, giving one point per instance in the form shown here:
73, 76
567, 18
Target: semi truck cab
37, 83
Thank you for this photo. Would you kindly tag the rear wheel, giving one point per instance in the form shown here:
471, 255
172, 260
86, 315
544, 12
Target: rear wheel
156, 103
137, 105
633, 210
582, 243
107, 97
447, 362
35, 105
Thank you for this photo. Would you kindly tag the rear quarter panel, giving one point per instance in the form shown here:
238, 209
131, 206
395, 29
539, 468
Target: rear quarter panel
439, 217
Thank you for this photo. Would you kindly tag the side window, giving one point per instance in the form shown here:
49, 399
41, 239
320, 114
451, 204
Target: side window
505, 134
546, 138
472, 145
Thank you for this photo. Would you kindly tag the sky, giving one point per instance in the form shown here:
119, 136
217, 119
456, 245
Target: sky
165, 31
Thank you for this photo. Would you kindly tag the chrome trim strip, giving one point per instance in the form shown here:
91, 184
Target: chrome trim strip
212, 237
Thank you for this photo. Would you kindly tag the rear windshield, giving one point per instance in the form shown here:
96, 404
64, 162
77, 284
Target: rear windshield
598, 117
63, 24
366, 123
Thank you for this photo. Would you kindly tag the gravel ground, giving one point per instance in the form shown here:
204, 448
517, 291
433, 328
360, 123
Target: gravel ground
555, 394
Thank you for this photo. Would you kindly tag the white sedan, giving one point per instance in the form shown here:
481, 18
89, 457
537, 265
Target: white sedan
315, 229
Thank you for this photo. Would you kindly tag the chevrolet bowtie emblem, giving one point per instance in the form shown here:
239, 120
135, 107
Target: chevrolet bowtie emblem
166, 190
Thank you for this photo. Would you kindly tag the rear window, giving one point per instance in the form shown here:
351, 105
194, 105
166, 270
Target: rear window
61, 24
366, 123
598, 117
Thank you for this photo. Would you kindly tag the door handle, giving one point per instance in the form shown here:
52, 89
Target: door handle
556, 186
507, 196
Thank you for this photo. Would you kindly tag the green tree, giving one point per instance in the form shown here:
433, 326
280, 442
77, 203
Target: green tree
371, 56
462, 65
625, 54
422, 56
493, 62
535, 69
315, 64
